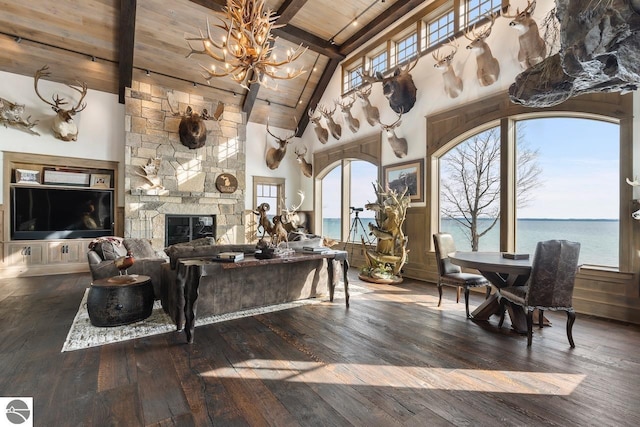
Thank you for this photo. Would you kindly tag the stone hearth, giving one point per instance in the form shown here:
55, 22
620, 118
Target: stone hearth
187, 176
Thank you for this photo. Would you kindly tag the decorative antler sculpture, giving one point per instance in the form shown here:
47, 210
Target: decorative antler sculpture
11, 115
398, 88
345, 107
452, 83
533, 48
63, 127
275, 155
399, 145
488, 66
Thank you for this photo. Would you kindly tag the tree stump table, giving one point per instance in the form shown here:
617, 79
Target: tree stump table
120, 300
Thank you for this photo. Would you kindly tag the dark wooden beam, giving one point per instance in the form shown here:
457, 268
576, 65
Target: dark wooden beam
126, 45
299, 36
395, 12
216, 6
288, 10
327, 74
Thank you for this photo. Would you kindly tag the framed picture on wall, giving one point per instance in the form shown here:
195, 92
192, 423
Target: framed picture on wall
100, 180
408, 175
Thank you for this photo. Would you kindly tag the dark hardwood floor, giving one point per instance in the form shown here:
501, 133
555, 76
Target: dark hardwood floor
393, 358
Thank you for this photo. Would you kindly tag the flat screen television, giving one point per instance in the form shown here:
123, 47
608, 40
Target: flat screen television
40, 213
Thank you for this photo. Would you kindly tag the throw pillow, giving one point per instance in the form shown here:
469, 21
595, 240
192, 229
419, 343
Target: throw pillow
140, 248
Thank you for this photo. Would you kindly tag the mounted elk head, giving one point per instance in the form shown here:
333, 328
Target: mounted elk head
372, 114
275, 155
334, 128
488, 66
192, 130
63, 127
398, 88
533, 48
345, 107
452, 83
321, 132
399, 145
305, 167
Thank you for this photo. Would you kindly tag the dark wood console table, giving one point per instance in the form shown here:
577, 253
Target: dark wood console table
251, 282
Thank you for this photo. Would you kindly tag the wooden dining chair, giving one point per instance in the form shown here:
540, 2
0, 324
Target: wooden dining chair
550, 286
450, 274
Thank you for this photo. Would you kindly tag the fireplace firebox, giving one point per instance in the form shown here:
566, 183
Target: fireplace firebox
185, 228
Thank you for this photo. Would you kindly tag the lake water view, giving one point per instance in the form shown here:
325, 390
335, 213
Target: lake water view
598, 238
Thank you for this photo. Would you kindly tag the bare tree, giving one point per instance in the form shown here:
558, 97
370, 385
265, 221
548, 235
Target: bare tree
470, 186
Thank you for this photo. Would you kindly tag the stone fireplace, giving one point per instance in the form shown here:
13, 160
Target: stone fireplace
187, 176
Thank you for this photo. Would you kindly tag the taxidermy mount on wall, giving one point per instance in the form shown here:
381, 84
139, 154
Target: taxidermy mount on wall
398, 88
11, 115
64, 127
192, 130
488, 66
275, 155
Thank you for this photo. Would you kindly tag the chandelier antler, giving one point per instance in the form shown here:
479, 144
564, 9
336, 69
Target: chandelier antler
247, 45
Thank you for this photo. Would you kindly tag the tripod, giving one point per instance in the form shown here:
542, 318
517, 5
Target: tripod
353, 230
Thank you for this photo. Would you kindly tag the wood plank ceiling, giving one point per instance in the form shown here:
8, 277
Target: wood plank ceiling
107, 43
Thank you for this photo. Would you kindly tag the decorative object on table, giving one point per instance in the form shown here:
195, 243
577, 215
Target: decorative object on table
305, 167
384, 265
371, 113
65, 177
513, 255
151, 170
399, 146
334, 128
533, 48
452, 275
345, 107
11, 115
488, 67
274, 155
192, 130
321, 132
26, 176
64, 126
229, 256
123, 264
263, 220
550, 286
245, 54
398, 88
226, 183
100, 180
406, 176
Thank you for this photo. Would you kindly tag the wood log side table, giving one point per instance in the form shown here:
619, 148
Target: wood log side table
116, 301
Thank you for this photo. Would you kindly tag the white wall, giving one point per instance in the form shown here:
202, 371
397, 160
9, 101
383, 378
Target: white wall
431, 97
100, 125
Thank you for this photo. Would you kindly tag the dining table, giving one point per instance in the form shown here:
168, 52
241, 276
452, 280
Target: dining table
501, 270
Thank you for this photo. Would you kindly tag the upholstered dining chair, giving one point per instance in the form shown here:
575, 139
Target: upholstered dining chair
451, 275
550, 286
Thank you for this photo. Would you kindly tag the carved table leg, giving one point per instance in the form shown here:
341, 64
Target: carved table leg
345, 269
191, 299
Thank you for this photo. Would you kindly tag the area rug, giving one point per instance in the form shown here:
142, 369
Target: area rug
83, 334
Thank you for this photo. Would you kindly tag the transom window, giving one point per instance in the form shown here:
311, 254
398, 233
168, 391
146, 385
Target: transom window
406, 48
353, 79
439, 30
476, 9
379, 62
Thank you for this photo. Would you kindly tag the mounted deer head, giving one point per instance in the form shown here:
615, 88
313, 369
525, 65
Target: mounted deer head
488, 66
533, 48
275, 155
372, 114
63, 127
334, 128
305, 167
345, 107
398, 88
321, 133
452, 83
399, 145
192, 130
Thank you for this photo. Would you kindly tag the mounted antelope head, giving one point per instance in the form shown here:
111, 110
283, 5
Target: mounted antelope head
398, 88
321, 133
533, 49
63, 127
192, 130
452, 83
371, 113
488, 66
345, 107
399, 145
334, 128
305, 167
275, 155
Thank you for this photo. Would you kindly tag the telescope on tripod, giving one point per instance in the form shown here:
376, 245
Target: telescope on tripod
356, 225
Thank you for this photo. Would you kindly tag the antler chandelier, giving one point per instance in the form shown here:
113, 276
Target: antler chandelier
246, 46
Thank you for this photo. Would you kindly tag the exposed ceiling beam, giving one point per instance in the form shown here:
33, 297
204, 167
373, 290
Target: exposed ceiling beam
288, 10
327, 74
127, 42
216, 6
395, 12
